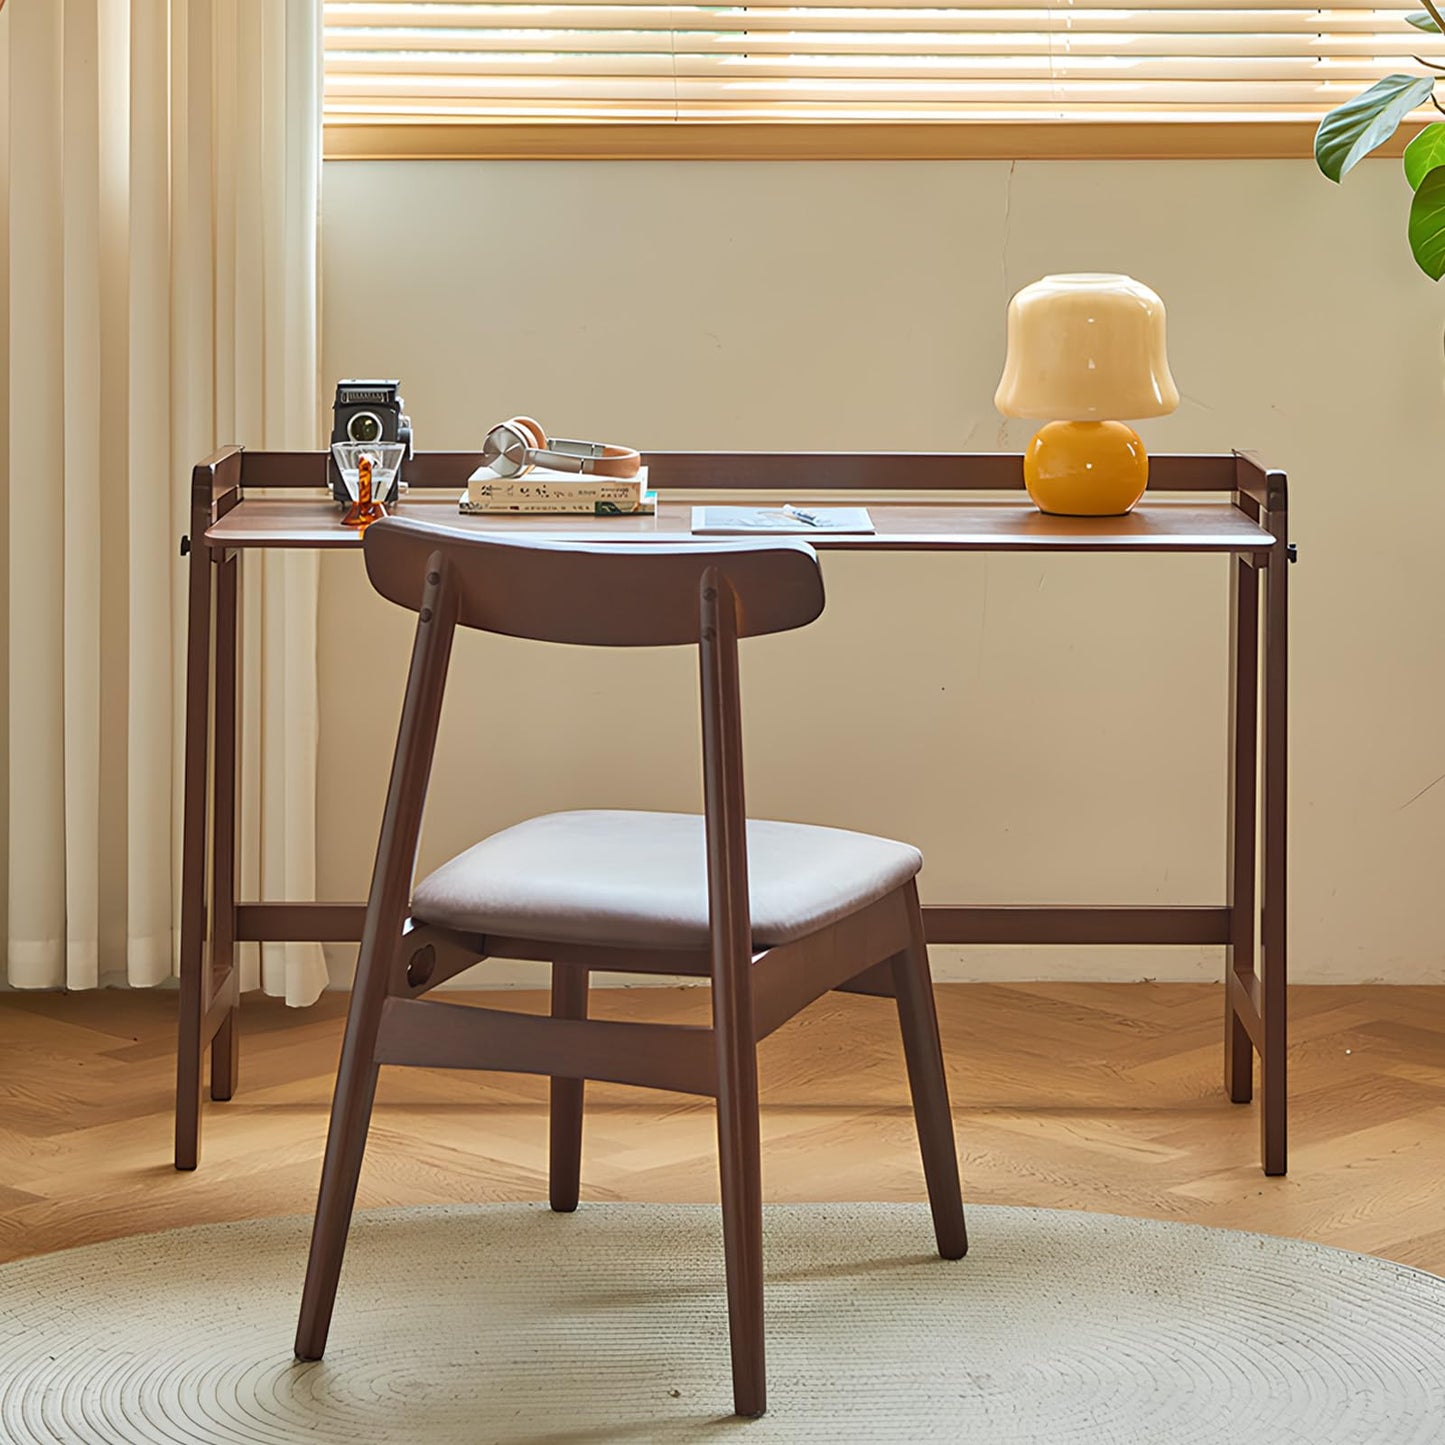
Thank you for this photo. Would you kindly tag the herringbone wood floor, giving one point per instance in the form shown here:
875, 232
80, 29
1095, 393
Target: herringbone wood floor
1085, 1096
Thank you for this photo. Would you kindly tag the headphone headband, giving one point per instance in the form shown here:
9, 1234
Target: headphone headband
515, 446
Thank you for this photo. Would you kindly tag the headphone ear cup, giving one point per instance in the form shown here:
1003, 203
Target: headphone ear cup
505, 442
534, 427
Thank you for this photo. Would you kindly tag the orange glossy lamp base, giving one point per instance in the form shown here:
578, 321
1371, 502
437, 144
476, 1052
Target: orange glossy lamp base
1086, 468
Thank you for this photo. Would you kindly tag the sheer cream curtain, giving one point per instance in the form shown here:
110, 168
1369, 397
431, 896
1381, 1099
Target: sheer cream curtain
160, 162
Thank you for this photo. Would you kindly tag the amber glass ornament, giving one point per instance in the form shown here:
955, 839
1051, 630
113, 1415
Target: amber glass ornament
365, 509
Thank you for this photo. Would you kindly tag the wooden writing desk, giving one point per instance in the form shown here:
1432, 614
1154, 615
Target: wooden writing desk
1227, 504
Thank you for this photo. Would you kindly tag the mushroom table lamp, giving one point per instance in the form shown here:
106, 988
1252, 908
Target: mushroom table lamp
1086, 350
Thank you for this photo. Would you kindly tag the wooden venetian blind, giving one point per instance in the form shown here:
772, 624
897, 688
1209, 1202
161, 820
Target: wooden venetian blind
437, 61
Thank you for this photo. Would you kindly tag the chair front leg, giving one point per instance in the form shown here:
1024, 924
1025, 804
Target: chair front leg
918, 1020
376, 976
345, 1149
569, 1001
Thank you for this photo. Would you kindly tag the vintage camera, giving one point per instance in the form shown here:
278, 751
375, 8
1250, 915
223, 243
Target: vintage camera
370, 411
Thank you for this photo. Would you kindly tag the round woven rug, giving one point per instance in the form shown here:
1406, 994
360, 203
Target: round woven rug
464, 1325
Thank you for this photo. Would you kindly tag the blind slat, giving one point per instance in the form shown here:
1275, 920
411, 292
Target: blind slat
467, 60
1058, 21
788, 70
957, 90
418, 14
1225, 54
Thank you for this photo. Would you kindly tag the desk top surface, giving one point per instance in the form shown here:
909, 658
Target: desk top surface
973, 525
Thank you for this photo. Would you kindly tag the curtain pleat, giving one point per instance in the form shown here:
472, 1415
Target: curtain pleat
81, 347
37, 852
158, 248
292, 170
113, 244
192, 330
154, 589
283, 748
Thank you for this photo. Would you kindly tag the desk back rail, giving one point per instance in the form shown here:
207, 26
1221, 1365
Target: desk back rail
221, 481
780, 471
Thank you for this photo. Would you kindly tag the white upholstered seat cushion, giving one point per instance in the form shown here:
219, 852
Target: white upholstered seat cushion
640, 879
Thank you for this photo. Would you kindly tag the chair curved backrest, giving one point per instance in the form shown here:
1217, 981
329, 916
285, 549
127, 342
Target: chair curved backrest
653, 593
603, 594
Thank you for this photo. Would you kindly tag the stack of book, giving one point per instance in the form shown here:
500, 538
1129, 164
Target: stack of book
542, 491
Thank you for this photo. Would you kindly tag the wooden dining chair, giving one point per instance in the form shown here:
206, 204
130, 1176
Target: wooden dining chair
773, 914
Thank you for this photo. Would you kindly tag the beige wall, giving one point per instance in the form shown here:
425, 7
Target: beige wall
1041, 729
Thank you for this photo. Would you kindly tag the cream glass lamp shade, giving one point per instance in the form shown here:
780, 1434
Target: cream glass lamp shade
1086, 347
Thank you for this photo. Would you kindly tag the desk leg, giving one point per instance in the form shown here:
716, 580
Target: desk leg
1243, 822
1275, 1040
225, 1046
190, 1044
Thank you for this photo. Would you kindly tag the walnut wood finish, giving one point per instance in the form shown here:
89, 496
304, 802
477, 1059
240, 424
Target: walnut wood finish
225, 1054
564, 1176
1272, 1038
1244, 518
531, 587
300, 922
901, 471
424, 1034
1242, 918
770, 471
734, 1030
209, 480
977, 525
1054, 924
918, 1020
702, 594
386, 912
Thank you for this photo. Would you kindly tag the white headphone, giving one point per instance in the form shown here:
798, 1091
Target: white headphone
518, 444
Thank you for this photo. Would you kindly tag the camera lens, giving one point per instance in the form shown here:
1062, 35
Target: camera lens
365, 426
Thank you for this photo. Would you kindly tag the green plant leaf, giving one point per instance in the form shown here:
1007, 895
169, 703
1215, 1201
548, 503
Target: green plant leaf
1424, 153
1427, 224
1421, 21
1351, 131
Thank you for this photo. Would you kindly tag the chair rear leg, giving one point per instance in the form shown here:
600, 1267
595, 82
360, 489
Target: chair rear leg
740, 1167
918, 1020
569, 1001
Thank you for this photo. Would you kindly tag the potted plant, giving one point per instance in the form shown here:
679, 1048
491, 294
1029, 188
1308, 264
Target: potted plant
1350, 132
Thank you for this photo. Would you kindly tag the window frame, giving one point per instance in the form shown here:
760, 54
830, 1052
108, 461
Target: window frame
833, 140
